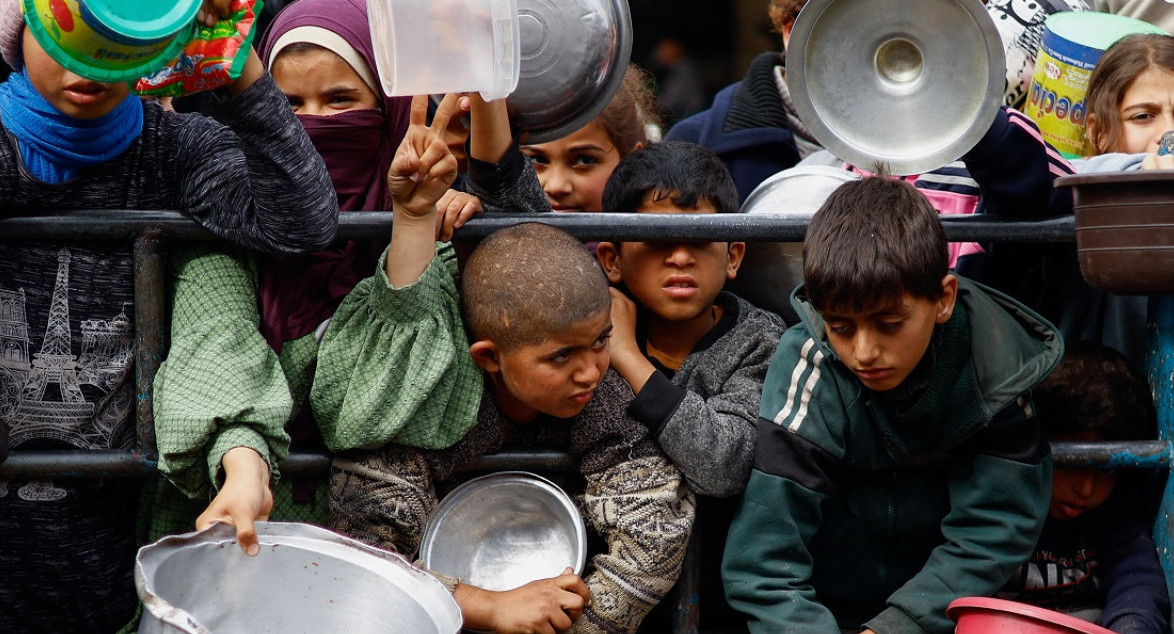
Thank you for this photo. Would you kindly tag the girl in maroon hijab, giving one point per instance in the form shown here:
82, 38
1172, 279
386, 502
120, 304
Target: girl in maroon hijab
232, 394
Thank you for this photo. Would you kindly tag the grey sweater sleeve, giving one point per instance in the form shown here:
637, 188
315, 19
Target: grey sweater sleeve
709, 435
259, 183
508, 185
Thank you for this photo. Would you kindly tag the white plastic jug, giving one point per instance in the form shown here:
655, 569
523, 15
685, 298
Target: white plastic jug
438, 46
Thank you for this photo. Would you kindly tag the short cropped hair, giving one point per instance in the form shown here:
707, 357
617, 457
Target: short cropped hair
1096, 389
528, 281
871, 241
685, 173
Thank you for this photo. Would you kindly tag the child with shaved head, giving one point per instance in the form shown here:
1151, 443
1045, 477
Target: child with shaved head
531, 369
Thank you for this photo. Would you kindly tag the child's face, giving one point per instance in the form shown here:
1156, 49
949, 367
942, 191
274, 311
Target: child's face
557, 377
1080, 490
574, 169
71, 94
675, 281
318, 82
883, 344
1146, 111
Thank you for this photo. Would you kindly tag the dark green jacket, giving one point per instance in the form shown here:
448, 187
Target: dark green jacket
850, 520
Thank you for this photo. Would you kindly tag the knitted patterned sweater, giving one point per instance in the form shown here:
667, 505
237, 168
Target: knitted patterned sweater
634, 498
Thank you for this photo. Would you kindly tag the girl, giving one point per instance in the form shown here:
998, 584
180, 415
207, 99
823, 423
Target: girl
571, 170
574, 169
69, 143
1131, 96
1130, 101
244, 343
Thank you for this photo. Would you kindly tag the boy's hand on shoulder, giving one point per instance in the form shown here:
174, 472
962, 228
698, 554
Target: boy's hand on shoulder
423, 167
454, 209
626, 357
545, 606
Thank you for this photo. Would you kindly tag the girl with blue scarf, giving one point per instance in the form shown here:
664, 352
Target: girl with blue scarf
248, 174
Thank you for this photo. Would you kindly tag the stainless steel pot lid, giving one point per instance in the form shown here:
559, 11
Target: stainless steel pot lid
911, 83
504, 530
574, 54
305, 579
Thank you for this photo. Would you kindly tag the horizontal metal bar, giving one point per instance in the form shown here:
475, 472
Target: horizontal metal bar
375, 225
35, 464
114, 463
1139, 454
31, 464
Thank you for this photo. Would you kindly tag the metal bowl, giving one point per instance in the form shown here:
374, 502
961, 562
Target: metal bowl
305, 579
911, 83
771, 270
504, 530
574, 54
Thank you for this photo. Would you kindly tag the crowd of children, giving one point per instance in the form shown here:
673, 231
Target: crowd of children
855, 471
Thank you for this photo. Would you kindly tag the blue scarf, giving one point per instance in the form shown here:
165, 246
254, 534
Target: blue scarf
53, 145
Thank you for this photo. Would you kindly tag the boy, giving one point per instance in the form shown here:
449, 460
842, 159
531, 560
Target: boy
536, 373
1095, 558
694, 356
249, 175
898, 463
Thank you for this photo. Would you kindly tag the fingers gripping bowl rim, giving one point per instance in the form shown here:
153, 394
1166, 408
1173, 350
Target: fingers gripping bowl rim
111, 40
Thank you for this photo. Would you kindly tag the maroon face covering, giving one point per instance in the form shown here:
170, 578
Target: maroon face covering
300, 292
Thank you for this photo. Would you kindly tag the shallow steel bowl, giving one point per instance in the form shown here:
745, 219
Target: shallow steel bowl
504, 530
574, 54
305, 579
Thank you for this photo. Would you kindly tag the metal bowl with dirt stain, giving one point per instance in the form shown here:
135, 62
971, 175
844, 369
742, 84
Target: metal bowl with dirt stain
504, 530
305, 579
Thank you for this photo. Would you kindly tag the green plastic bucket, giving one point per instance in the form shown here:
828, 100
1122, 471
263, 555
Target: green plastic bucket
111, 40
1072, 44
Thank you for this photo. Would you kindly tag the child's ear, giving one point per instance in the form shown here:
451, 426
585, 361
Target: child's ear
949, 296
735, 253
1091, 132
486, 355
608, 255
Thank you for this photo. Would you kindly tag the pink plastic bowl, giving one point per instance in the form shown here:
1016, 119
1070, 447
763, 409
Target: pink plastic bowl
983, 615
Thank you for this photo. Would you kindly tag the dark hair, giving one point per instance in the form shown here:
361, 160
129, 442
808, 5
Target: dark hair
1095, 388
872, 240
1116, 70
527, 281
685, 173
629, 111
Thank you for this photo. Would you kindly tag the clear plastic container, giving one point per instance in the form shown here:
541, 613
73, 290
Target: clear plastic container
427, 47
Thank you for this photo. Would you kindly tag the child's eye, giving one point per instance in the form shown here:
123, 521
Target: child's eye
840, 330
890, 326
585, 161
1141, 117
342, 100
539, 159
601, 342
294, 102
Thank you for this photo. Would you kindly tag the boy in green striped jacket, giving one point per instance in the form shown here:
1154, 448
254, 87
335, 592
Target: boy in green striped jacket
899, 464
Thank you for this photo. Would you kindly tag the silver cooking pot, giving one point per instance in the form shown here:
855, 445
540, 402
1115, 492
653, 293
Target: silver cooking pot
305, 579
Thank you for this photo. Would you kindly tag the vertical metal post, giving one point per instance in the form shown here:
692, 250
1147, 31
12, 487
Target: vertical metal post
687, 611
150, 272
1160, 368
